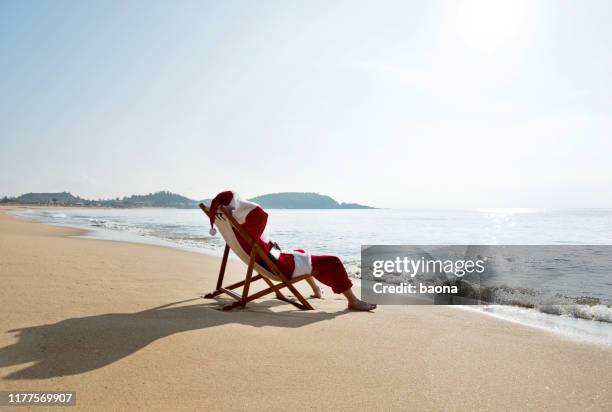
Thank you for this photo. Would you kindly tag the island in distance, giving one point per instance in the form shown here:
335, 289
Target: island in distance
285, 200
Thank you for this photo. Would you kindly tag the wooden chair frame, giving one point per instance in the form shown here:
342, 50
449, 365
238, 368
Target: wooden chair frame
268, 260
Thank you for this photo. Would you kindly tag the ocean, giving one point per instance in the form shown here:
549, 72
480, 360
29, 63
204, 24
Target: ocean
342, 232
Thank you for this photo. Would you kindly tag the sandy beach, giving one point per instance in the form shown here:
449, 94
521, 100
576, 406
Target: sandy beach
125, 326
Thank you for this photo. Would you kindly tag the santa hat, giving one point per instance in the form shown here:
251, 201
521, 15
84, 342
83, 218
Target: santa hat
241, 208
223, 198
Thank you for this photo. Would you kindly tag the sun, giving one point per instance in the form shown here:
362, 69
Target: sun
489, 25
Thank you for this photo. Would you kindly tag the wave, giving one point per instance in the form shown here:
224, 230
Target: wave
54, 215
601, 313
582, 307
578, 307
97, 222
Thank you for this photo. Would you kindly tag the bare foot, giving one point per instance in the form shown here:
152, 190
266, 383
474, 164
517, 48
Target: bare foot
360, 305
317, 294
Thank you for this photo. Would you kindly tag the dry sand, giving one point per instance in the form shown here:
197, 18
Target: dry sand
124, 325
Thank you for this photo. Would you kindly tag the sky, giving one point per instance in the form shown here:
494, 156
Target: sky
471, 103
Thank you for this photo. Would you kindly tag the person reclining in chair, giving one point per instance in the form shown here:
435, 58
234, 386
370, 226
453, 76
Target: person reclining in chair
328, 270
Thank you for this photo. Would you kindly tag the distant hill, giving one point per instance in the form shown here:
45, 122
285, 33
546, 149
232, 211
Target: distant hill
286, 200
160, 199
302, 200
49, 198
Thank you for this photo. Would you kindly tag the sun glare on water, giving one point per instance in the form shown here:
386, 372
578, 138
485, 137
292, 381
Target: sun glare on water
508, 211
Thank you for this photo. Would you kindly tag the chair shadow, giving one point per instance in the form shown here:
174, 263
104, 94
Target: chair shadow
77, 345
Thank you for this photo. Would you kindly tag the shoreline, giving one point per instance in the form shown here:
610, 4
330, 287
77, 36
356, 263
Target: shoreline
125, 326
574, 328
97, 233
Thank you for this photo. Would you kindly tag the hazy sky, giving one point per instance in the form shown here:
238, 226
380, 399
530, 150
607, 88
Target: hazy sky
396, 104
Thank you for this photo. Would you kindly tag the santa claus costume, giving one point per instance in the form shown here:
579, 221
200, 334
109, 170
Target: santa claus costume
328, 270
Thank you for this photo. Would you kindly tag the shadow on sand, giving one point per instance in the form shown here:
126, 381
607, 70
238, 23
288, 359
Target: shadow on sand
79, 345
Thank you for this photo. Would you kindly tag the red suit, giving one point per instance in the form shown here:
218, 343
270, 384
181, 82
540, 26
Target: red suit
328, 270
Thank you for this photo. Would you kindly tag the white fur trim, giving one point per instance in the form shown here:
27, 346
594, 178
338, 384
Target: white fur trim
302, 263
241, 208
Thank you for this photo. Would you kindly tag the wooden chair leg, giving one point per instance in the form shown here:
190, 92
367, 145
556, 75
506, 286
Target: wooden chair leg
304, 305
299, 296
279, 295
218, 290
266, 291
232, 286
249, 274
223, 265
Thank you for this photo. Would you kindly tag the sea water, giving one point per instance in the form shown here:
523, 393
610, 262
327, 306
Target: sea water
342, 232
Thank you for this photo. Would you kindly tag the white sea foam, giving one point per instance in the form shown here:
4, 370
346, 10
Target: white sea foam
572, 327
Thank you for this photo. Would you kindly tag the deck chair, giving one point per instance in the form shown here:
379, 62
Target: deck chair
270, 273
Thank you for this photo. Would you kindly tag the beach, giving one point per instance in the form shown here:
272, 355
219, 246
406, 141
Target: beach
125, 326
